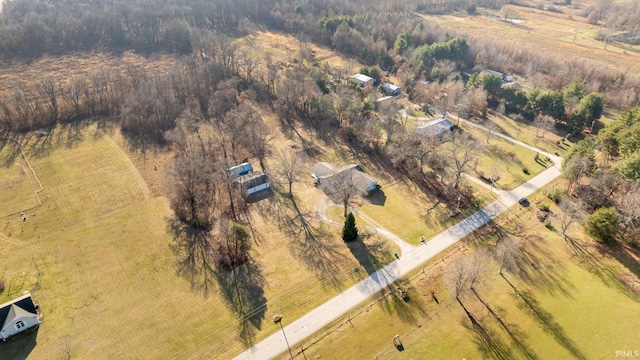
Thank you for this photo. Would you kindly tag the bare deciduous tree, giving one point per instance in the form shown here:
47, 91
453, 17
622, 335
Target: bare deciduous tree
342, 187
459, 153
290, 168
507, 254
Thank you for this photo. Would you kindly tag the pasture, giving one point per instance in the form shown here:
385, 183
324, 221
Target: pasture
112, 271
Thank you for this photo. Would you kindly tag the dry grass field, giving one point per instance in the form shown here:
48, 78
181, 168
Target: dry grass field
62, 69
552, 33
99, 256
285, 48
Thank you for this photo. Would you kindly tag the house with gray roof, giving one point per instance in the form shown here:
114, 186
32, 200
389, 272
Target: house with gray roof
362, 80
19, 315
324, 174
435, 127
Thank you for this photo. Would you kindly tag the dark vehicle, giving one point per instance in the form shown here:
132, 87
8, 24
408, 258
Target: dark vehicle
524, 202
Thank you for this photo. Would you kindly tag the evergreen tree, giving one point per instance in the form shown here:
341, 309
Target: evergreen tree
603, 225
349, 231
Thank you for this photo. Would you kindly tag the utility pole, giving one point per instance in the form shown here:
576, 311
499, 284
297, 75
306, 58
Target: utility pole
278, 320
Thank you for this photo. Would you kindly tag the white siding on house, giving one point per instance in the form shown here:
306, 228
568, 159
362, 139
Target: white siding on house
11, 329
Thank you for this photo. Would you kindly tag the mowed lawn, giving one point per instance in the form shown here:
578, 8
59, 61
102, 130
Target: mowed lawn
572, 309
97, 256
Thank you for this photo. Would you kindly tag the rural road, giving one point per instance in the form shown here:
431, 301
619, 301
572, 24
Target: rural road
316, 319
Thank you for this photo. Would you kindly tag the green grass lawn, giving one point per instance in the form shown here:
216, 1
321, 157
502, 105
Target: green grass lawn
571, 307
528, 134
98, 256
508, 159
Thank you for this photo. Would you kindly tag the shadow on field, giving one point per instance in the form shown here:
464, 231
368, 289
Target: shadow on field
405, 303
627, 256
241, 287
537, 266
368, 254
606, 273
486, 340
514, 332
315, 248
308, 243
19, 347
193, 251
546, 320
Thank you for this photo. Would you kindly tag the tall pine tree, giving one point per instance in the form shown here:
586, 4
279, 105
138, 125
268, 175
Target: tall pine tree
349, 231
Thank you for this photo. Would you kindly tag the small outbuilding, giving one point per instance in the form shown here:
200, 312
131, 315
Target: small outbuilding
19, 315
362, 80
239, 170
433, 128
253, 182
390, 89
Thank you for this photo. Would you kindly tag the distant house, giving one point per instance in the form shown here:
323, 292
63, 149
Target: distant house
436, 127
19, 315
324, 174
362, 80
239, 170
385, 102
503, 77
253, 182
390, 89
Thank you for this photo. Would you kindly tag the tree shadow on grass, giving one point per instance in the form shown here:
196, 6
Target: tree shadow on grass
398, 298
547, 321
486, 340
243, 290
538, 267
627, 256
372, 254
314, 247
517, 336
193, 250
242, 287
606, 273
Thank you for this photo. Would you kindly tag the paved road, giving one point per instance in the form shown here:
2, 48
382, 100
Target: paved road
305, 326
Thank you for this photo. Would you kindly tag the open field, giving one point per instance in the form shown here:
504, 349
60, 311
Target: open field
100, 257
563, 302
19, 187
62, 69
552, 33
285, 48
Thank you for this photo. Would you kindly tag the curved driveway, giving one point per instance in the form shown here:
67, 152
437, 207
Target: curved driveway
316, 319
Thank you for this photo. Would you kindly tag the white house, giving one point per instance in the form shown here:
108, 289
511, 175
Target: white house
362, 80
436, 127
19, 315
